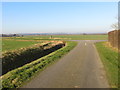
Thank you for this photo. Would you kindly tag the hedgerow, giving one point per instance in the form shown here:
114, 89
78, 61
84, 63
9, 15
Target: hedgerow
17, 58
19, 76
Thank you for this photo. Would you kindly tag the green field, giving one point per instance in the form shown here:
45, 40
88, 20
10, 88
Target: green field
83, 37
8, 45
11, 43
73, 37
18, 76
109, 58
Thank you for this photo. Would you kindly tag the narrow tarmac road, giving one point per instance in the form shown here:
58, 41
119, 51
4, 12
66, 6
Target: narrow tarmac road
80, 68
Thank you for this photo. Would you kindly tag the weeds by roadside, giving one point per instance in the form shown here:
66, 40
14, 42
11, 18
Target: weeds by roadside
109, 58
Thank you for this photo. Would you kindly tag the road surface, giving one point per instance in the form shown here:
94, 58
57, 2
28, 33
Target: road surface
80, 68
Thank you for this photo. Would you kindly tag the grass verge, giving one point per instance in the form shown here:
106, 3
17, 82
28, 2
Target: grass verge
17, 77
109, 58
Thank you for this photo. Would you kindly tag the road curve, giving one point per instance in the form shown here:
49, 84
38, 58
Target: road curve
80, 68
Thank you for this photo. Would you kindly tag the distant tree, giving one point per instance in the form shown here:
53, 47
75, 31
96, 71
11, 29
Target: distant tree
14, 34
84, 34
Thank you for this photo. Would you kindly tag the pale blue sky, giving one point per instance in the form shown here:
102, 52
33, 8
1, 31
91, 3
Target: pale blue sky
70, 17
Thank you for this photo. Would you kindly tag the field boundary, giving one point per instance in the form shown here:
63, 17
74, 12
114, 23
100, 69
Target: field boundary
17, 58
17, 77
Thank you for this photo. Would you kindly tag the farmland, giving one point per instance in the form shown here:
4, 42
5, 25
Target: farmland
8, 45
24, 57
11, 43
23, 54
82, 37
24, 73
16, 58
59, 45
71, 37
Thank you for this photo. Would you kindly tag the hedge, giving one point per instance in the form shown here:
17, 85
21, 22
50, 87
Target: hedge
20, 57
19, 76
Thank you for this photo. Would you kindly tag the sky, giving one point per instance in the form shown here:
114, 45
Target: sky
58, 17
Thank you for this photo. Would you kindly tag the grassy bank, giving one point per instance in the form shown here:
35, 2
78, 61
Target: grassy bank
17, 77
109, 58
17, 58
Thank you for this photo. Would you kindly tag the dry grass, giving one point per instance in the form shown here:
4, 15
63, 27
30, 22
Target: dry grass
107, 44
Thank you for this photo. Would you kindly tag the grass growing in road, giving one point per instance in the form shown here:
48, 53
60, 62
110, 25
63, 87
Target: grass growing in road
17, 77
109, 58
